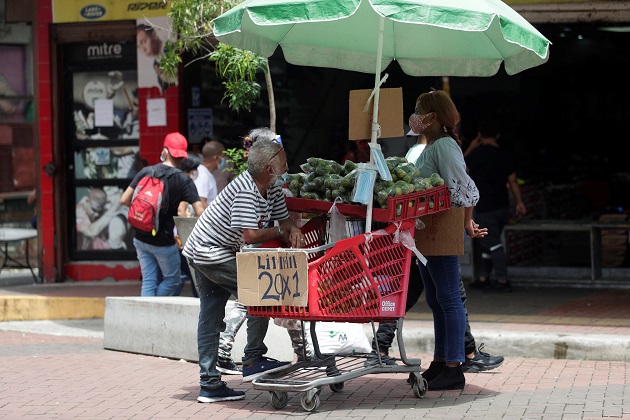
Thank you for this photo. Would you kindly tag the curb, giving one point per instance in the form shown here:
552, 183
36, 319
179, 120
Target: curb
31, 308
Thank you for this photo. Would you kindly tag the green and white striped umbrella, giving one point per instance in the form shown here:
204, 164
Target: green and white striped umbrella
426, 37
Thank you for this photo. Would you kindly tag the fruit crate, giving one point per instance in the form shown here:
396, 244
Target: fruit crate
402, 207
360, 279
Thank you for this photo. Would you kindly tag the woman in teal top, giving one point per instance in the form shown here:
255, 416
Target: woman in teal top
436, 117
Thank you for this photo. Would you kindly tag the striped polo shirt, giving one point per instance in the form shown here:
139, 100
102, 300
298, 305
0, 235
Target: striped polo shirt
218, 234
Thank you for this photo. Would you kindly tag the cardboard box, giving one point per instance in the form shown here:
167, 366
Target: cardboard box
272, 278
443, 233
390, 114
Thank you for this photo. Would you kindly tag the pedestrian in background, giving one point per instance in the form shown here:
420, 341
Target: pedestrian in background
160, 252
494, 171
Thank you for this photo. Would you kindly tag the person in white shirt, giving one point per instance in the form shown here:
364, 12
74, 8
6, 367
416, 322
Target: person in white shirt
212, 157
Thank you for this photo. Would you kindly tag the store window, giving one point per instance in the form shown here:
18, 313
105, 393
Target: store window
102, 142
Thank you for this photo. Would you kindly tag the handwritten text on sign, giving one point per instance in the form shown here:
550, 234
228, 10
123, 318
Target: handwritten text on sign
272, 278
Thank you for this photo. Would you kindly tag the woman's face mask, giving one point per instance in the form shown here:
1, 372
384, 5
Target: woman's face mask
417, 122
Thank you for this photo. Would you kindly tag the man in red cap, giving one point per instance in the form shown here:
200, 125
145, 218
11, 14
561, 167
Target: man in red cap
157, 250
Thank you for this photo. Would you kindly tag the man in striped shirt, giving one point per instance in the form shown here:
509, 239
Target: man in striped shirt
238, 216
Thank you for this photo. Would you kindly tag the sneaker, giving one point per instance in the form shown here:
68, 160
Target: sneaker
228, 367
499, 287
481, 362
223, 393
263, 366
372, 360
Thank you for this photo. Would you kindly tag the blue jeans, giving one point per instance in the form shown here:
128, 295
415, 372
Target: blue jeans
441, 284
154, 259
216, 283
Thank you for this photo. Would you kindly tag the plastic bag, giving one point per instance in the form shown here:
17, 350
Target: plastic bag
289, 324
336, 223
341, 338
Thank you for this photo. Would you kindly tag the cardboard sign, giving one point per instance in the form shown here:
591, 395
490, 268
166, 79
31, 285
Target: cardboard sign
272, 278
390, 114
443, 233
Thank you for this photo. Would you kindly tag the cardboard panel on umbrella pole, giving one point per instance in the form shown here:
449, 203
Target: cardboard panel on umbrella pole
390, 114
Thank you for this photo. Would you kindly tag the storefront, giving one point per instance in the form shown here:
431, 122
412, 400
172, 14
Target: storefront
104, 110
92, 131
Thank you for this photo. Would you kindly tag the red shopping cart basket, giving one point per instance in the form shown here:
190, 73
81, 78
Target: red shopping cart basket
360, 279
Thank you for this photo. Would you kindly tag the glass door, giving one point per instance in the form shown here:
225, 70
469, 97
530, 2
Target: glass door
102, 139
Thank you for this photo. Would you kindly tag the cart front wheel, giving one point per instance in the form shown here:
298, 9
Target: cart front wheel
419, 387
310, 405
279, 399
337, 387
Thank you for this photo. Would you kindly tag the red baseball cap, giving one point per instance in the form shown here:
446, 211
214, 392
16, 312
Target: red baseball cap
176, 144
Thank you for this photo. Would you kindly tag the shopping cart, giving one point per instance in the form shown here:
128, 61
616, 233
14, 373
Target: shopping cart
360, 279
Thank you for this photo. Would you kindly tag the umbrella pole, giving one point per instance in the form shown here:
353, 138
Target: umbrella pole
375, 127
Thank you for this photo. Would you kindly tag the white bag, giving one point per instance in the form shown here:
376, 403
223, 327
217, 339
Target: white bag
342, 338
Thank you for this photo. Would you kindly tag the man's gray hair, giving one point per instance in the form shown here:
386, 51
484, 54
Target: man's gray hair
260, 155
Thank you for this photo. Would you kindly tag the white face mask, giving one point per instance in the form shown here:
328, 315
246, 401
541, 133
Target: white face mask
163, 156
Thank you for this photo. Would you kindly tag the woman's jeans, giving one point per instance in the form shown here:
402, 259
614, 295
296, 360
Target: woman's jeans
216, 283
387, 329
441, 284
154, 259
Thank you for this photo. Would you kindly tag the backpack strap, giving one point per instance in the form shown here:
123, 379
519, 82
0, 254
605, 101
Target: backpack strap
170, 171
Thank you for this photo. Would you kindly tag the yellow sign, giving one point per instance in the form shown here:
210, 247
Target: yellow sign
102, 10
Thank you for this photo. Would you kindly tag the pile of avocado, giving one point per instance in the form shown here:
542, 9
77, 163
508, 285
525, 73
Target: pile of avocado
326, 180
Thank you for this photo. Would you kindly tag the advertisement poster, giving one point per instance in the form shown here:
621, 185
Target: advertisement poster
15, 104
105, 105
151, 37
107, 162
101, 222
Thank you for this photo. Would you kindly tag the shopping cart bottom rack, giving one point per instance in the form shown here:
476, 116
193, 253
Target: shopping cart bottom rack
360, 279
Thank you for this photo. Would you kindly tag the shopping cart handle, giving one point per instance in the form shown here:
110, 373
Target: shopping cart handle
257, 248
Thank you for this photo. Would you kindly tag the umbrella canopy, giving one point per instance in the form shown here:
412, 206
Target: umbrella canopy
426, 37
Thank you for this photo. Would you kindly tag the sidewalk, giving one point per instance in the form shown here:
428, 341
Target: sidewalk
530, 322
70, 375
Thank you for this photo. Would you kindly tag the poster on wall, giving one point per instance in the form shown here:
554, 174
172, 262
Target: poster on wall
151, 37
107, 162
105, 105
15, 103
199, 124
101, 222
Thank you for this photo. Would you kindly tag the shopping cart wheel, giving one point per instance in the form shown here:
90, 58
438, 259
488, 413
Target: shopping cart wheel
337, 387
279, 399
418, 386
310, 405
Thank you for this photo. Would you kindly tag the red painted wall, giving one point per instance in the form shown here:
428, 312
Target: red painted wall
44, 114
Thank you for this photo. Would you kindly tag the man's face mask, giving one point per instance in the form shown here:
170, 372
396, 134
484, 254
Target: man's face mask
163, 156
280, 179
417, 122
222, 163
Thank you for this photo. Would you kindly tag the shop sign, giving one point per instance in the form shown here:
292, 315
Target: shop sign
103, 51
95, 10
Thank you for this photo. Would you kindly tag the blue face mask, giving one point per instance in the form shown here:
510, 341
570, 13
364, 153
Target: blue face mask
223, 162
280, 180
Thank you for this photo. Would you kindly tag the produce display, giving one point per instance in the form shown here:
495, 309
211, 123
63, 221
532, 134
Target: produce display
327, 180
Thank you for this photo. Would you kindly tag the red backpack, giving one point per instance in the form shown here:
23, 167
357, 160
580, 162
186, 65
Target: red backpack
149, 198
